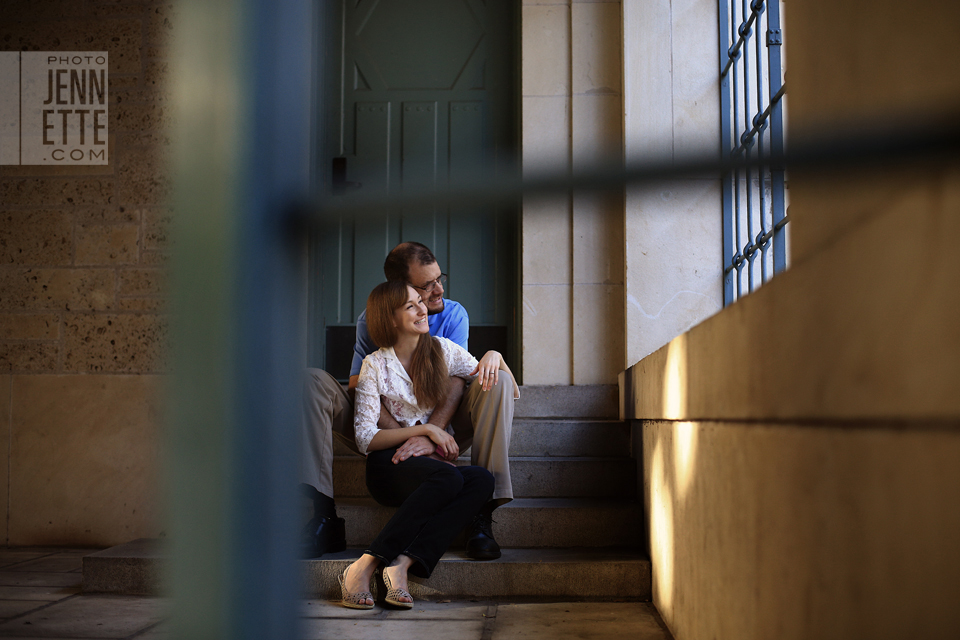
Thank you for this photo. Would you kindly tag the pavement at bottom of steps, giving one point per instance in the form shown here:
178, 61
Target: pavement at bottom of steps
482, 620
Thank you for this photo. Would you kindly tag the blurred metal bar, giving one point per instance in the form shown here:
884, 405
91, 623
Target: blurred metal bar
242, 78
934, 139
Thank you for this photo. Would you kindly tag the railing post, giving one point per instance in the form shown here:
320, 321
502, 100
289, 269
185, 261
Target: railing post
242, 80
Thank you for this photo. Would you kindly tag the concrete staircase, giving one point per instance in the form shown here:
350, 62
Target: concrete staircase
573, 532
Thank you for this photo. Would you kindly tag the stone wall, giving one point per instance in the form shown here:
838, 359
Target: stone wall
572, 115
801, 448
82, 295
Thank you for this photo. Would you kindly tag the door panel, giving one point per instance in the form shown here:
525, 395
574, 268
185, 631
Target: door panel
425, 93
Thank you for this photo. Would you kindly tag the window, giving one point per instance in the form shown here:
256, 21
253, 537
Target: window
752, 114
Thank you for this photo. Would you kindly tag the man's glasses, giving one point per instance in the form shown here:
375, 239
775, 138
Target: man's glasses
430, 286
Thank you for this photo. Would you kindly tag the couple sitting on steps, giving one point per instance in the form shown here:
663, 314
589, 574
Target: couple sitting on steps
409, 409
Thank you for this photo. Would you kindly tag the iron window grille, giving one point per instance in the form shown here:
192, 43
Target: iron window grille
751, 118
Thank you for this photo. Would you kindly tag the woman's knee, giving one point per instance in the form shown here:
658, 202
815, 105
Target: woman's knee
478, 479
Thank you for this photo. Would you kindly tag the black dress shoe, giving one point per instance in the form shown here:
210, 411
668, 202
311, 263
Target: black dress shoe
480, 542
323, 535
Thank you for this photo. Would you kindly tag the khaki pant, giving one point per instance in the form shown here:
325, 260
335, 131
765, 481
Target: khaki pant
483, 422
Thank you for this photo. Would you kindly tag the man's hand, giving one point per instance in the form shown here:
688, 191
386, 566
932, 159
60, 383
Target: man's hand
447, 447
414, 447
488, 369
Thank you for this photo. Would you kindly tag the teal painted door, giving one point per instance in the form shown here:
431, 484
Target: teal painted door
424, 92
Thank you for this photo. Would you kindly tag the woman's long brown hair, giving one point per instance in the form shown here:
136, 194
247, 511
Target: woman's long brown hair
428, 368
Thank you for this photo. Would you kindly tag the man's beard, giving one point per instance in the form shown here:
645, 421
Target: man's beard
433, 311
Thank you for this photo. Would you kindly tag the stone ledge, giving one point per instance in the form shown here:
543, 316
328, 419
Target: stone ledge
134, 568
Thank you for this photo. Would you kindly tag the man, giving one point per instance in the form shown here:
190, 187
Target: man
478, 419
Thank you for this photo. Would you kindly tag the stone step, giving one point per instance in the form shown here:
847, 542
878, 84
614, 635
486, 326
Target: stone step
580, 477
136, 568
592, 401
577, 574
525, 522
559, 437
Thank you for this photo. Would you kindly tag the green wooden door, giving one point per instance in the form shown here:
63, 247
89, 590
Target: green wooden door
424, 92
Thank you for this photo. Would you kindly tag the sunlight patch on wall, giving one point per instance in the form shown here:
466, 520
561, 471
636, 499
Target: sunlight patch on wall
684, 456
675, 380
661, 530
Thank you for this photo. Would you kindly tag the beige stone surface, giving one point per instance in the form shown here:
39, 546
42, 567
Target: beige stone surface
695, 93
84, 459
595, 48
547, 339
597, 130
144, 305
107, 215
36, 237
672, 246
818, 531
142, 282
29, 326
545, 133
156, 228
398, 629
46, 192
648, 80
143, 179
51, 289
50, 10
155, 74
547, 241
545, 62
849, 332
34, 357
101, 245
873, 75
94, 616
579, 621
849, 79
154, 258
120, 38
598, 317
139, 117
114, 343
598, 238
160, 23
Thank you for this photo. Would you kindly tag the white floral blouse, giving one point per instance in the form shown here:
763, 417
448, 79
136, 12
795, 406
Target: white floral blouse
382, 376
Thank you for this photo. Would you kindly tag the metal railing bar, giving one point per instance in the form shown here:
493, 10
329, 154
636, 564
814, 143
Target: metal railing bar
744, 32
761, 240
760, 121
825, 150
762, 170
748, 249
778, 188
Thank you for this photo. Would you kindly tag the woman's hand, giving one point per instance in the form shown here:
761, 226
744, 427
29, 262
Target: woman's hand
447, 447
488, 369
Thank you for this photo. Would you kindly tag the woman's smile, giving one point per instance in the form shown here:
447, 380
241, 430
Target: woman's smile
411, 316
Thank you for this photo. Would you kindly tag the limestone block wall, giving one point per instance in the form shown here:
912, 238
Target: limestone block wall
83, 328
673, 231
800, 448
572, 246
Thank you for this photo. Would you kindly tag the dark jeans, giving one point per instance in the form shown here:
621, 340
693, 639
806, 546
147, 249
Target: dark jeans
435, 502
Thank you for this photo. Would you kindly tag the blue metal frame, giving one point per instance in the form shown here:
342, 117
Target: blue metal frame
754, 215
242, 90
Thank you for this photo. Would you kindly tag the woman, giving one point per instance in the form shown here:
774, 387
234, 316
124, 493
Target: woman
436, 499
